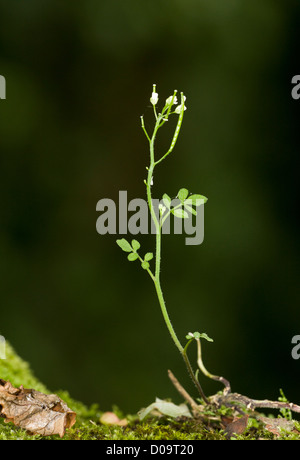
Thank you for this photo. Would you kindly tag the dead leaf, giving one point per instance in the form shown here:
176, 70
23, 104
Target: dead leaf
110, 418
235, 425
277, 426
33, 411
165, 408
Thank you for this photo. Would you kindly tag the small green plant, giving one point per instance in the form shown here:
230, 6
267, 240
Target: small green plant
184, 210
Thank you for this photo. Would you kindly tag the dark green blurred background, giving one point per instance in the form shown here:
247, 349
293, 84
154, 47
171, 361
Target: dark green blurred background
79, 75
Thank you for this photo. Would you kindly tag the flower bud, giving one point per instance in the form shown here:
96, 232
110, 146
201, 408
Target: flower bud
169, 100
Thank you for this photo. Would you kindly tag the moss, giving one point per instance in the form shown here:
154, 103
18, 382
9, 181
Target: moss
18, 372
88, 427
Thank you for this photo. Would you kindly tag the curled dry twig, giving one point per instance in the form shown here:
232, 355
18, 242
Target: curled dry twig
236, 401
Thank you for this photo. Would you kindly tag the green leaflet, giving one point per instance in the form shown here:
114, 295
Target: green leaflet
136, 245
198, 335
189, 208
132, 256
183, 194
180, 213
145, 265
167, 201
196, 200
148, 256
124, 245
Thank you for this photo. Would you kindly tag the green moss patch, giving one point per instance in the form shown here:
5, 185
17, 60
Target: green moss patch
88, 427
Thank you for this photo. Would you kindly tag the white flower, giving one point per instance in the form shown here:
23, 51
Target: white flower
169, 100
154, 98
179, 108
151, 183
162, 208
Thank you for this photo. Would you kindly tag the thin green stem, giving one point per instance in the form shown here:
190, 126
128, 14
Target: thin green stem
207, 373
176, 134
164, 218
166, 315
144, 129
158, 243
173, 333
147, 269
158, 226
193, 377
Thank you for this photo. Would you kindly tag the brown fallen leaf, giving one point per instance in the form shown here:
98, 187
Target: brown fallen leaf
33, 411
110, 418
235, 425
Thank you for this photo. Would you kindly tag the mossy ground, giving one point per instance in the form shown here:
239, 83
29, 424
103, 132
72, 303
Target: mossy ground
88, 426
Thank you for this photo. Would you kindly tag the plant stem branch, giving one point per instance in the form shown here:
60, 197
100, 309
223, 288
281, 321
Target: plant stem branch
183, 392
208, 374
156, 277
